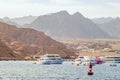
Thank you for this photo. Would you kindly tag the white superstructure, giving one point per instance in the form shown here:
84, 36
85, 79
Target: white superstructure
50, 59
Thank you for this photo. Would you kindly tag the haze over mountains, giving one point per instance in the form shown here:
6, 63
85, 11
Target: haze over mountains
20, 21
64, 25
109, 25
102, 20
24, 20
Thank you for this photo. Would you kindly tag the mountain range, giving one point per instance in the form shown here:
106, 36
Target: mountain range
30, 36
64, 25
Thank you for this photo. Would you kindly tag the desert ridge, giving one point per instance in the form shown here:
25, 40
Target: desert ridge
27, 42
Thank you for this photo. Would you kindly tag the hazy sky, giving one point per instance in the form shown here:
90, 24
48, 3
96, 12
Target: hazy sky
89, 8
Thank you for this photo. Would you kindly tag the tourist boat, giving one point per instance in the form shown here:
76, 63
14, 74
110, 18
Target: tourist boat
50, 59
88, 60
112, 59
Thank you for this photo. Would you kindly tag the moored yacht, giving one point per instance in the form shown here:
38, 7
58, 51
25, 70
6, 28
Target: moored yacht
88, 60
50, 59
78, 60
112, 59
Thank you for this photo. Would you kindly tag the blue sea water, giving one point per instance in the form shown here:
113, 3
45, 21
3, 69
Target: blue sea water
26, 70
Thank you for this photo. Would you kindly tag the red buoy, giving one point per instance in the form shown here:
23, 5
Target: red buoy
90, 70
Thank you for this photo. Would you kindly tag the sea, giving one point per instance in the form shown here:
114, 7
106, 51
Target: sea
27, 70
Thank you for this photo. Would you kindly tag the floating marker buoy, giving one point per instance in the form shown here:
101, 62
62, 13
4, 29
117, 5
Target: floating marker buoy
90, 70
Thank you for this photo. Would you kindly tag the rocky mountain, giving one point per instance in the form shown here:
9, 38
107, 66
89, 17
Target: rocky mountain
64, 25
29, 42
6, 52
112, 27
25, 35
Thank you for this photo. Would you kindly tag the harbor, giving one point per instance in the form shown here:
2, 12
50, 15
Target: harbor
60, 40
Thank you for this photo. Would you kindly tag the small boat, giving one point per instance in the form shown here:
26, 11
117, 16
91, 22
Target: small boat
112, 59
98, 60
78, 60
50, 59
88, 60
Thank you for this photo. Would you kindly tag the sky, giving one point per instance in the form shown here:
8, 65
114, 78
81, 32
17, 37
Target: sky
88, 8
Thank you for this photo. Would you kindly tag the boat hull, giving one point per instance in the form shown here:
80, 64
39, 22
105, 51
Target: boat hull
51, 62
57, 62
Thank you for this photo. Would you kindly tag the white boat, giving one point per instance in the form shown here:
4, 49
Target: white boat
78, 60
112, 59
50, 59
88, 60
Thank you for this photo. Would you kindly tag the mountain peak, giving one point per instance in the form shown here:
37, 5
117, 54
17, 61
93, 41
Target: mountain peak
78, 14
62, 13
